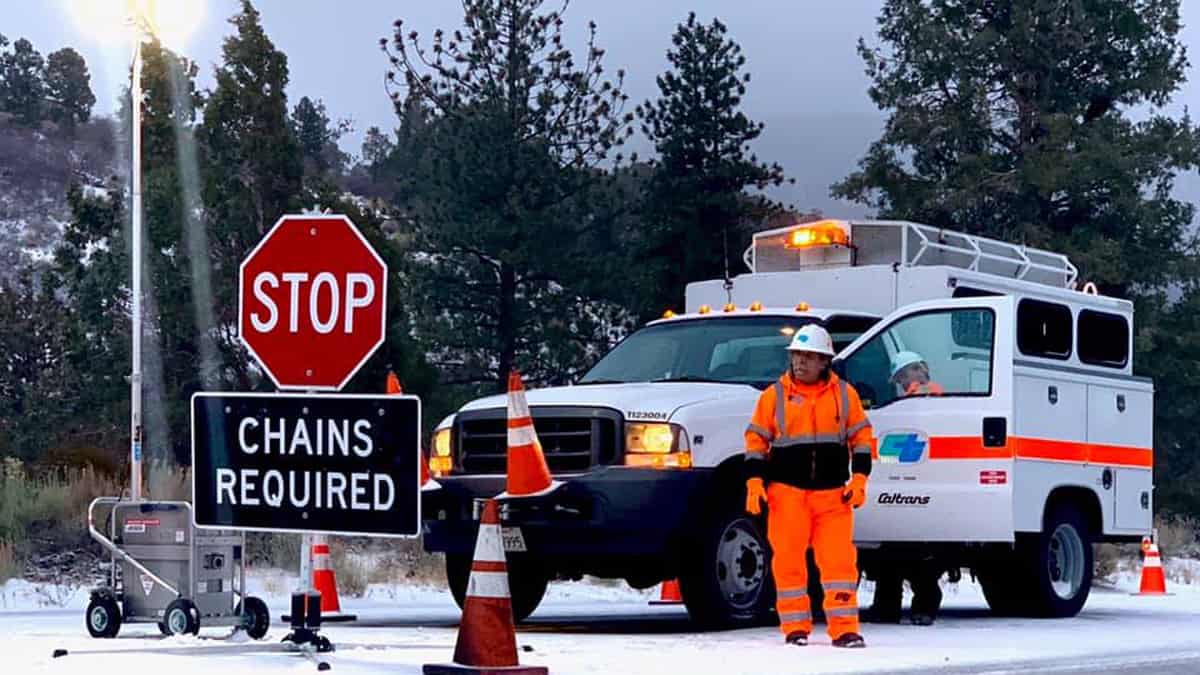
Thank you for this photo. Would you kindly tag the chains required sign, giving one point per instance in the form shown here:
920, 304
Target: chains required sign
338, 464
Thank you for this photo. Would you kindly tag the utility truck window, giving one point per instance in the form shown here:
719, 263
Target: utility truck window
741, 350
941, 353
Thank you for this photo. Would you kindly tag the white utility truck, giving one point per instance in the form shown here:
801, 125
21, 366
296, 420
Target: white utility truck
1037, 444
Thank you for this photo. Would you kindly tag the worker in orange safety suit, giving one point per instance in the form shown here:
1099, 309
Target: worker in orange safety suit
807, 437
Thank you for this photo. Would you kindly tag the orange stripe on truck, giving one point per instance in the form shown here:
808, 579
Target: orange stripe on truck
1091, 453
964, 447
971, 447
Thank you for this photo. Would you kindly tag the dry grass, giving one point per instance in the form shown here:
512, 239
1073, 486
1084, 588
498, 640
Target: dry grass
353, 573
362, 562
9, 569
1178, 537
271, 550
43, 509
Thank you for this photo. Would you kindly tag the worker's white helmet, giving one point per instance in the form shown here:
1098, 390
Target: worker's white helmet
904, 360
812, 338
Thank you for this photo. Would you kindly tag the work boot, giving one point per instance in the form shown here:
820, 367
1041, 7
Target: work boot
798, 638
850, 641
921, 619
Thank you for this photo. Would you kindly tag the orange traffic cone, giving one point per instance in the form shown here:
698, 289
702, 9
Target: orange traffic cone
487, 638
325, 582
427, 482
528, 475
669, 595
1154, 582
393, 383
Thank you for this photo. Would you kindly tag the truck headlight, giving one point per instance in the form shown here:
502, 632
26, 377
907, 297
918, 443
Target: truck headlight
441, 463
657, 445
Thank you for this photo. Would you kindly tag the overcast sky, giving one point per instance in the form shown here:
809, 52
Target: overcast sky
808, 83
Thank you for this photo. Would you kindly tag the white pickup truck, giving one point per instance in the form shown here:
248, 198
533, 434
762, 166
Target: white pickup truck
1038, 444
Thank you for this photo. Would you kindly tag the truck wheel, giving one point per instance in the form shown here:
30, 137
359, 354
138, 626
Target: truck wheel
103, 617
1060, 564
1003, 584
725, 577
526, 584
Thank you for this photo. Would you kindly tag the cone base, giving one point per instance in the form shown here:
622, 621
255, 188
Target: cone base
1152, 593
666, 602
326, 618
554, 485
456, 669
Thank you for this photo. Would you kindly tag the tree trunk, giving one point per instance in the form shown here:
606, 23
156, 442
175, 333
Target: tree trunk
508, 323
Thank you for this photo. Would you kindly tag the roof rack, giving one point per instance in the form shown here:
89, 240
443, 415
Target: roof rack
875, 242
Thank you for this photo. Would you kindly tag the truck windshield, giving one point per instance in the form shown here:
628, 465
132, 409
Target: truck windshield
748, 350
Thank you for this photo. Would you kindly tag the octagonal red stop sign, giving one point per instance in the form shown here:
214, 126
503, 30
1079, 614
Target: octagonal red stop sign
311, 302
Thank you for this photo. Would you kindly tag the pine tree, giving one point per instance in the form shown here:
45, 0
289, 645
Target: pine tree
697, 210
318, 139
23, 83
173, 360
252, 172
1014, 120
1041, 121
500, 188
39, 396
68, 88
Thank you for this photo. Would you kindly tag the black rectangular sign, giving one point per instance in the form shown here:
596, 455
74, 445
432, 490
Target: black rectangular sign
339, 464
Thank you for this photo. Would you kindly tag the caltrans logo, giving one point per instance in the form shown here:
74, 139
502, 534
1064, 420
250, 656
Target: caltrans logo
903, 448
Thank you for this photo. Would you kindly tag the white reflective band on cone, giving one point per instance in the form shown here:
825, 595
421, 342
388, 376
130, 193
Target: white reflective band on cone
489, 547
517, 405
488, 585
523, 435
1152, 560
321, 562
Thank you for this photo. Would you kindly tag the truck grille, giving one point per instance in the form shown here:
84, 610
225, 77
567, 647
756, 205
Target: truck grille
573, 439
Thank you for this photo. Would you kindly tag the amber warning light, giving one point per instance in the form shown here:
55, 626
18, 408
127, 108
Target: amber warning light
820, 233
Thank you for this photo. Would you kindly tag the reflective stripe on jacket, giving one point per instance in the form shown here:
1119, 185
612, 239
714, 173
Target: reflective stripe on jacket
809, 436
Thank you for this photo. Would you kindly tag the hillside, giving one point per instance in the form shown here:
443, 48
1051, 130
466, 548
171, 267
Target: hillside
36, 168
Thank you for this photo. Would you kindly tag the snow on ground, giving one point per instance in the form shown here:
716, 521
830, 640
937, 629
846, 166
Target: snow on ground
597, 628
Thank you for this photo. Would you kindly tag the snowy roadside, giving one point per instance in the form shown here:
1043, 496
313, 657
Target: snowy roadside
275, 586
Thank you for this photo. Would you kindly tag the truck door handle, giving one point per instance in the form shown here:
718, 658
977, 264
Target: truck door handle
995, 432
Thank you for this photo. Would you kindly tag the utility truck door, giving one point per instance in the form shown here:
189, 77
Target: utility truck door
936, 379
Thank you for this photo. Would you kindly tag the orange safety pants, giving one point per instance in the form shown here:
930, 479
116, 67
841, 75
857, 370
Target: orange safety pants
796, 520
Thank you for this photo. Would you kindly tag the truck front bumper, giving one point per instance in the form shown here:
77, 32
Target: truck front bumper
608, 512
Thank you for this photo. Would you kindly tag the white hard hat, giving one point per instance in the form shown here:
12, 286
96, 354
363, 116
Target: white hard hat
904, 360
812, 338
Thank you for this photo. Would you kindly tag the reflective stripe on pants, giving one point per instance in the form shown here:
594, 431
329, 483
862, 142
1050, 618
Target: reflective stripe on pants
797, 519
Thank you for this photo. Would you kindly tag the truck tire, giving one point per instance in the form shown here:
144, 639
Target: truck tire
1047, 574
1003, 582
1059, 564
526, 583
725, 575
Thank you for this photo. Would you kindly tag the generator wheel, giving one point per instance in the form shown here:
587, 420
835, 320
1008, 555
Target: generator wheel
103, 617
256, 619
181, 617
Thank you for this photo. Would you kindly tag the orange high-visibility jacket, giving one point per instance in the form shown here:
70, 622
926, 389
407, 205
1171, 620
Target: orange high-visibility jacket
809, 436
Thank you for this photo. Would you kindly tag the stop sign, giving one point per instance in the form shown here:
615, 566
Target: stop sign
311, 302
